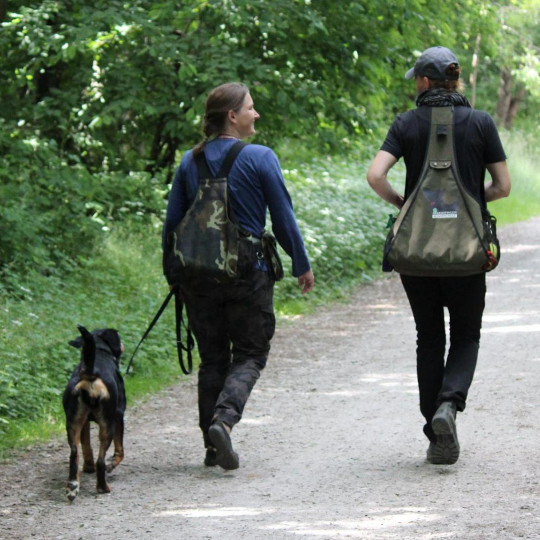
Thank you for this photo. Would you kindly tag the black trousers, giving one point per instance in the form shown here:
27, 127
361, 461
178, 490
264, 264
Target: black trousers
464, 297
233, 325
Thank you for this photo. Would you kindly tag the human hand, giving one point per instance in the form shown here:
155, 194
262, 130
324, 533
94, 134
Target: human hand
306, 281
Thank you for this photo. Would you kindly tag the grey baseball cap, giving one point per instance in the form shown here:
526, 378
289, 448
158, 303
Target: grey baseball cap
432, 63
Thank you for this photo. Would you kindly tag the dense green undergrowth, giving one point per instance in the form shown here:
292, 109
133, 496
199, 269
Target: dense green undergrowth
343, 224
523, 163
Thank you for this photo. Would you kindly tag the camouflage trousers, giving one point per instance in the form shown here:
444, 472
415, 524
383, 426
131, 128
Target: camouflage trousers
233, 325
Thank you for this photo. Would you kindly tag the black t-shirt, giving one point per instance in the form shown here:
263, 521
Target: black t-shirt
476, 142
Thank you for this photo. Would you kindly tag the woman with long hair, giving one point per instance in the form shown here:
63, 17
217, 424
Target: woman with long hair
233, 323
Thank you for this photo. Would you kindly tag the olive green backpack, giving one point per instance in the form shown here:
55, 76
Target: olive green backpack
442, 230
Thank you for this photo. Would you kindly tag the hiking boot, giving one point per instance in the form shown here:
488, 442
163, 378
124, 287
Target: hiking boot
430, 452
210, 460
226, 457
428, 432
445, 451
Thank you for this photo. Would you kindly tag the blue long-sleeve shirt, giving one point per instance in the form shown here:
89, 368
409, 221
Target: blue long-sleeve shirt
255, 184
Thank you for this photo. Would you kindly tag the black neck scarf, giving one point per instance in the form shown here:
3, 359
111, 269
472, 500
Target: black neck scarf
440, 97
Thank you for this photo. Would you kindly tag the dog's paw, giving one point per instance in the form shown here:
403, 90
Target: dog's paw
89, 467
105, 488
72, 489
114, 461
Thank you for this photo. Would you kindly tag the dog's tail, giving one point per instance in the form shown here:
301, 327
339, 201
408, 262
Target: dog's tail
88, 350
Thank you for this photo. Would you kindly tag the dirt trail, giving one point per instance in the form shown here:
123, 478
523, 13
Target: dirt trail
331, 444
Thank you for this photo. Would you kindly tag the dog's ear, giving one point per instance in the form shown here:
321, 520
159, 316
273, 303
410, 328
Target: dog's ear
112, 338
77, 342
84, 332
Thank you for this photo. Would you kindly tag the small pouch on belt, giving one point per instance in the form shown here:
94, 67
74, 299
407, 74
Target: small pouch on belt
271, 256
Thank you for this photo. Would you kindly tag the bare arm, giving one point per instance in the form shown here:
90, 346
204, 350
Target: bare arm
376, 178
500, 184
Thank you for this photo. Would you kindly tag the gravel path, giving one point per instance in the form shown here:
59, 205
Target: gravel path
331, 444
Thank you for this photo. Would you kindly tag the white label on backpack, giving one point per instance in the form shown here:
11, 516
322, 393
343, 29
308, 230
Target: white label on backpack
440, 207
452, 214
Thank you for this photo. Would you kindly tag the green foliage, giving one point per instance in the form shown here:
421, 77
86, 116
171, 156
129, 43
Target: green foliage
342, 220
54, 216
121, 86
520, 48
523, 201
98, 99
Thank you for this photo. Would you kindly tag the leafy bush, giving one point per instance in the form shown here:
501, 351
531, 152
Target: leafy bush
341, 219
55, 215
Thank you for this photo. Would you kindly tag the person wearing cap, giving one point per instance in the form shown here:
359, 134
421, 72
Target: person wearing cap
443, 386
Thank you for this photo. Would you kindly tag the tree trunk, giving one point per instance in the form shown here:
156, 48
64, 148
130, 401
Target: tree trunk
474, 74
515, 103
504, 96
508, 104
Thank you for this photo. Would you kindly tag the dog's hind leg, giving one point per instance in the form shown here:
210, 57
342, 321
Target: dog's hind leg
88, 464
105, 439
74, 480
118, 444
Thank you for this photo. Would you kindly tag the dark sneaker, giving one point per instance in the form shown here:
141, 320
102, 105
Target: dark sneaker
210, 460
445, 451
226, 457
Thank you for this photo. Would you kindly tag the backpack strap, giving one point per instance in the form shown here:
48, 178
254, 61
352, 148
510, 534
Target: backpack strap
227, 164
440, 149
202, 165
441, 138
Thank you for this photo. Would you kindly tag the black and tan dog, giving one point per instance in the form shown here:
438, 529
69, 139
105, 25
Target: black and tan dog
95, 392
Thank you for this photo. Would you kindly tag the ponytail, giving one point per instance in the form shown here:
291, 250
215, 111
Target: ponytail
226, 97
453, 83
